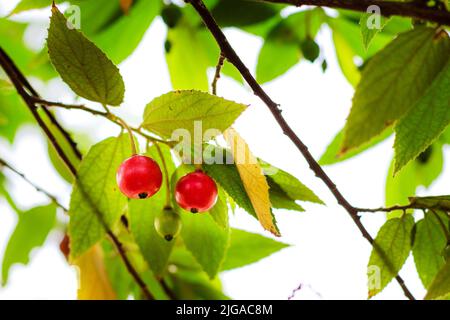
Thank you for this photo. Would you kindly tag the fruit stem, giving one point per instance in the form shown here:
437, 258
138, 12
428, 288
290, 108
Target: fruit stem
166, 175
130, 132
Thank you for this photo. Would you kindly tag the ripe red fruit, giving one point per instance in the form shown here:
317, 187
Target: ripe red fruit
196, 192
139, 177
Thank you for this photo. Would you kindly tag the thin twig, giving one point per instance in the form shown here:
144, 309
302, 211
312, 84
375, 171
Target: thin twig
107, 115
233, 58
411, 9
217, 73
35, 186
388, 209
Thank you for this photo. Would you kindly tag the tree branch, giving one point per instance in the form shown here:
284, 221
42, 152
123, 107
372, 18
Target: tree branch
217, 73
20, 84
233, 58
387, 8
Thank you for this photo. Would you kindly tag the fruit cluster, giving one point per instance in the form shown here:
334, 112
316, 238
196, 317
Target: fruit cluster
139, 177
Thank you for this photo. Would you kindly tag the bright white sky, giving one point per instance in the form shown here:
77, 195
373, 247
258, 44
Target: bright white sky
328, 254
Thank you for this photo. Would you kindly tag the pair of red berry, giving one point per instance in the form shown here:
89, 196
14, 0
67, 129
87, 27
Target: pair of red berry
140, 177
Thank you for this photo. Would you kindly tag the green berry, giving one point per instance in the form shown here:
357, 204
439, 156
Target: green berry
168, 224
310, 49
171, 14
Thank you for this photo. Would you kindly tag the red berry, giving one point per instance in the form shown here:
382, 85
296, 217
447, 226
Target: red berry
139, 177
196, 192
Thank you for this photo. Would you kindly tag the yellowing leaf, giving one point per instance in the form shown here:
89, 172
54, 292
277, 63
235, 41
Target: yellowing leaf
253, 179
93, 280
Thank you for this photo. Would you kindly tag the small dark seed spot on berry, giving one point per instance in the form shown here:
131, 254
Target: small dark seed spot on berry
194, 210
143, 195
168, 237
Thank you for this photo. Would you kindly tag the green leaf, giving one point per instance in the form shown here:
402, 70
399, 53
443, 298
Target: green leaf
180, 109
418, 173
429, 243
30, 232
246, 248
220, 210
287, 55
240, 13
280, 200
205, 239
346, 38
154, 248
289, 184
186, 58
227, 176
390, 251
368, 27
381, 98
283, 42
96, 200
193, 285
333, 155
440, 287
435, 202
345, 55
121, 38
425, 122
85, 68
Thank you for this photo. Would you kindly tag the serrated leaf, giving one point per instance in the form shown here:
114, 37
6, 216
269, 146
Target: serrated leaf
247, 248
368, 27
180, 109
289, 184
390, 251
93, 280
30, 232
253, 179
425, 122
440, 287
205, 239
83, 66
153, 247
96, 199
429, 243
381, 98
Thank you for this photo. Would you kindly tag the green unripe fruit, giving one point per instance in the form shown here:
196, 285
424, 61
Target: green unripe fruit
168, 224
171, 14
310, 49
